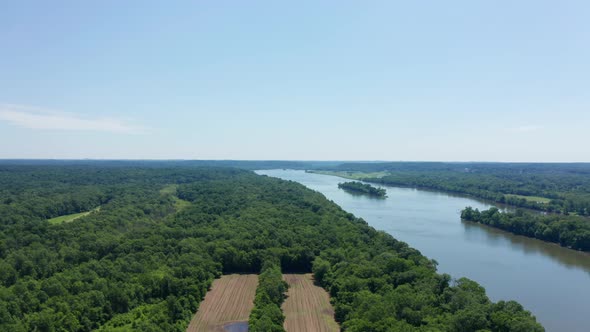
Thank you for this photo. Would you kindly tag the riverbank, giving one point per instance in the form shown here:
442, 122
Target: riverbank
507, 265
376, 176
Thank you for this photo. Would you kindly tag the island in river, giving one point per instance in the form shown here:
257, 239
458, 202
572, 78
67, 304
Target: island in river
363, 188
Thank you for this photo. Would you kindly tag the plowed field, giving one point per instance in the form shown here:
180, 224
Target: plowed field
230, 300
307, 307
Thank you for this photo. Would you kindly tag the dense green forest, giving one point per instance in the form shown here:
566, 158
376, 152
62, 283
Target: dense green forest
562, 188
143, 262
569, 231
363, 188
242, 164
267, 315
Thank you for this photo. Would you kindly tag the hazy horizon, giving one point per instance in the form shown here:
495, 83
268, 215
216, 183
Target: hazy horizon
456, 81
304, 160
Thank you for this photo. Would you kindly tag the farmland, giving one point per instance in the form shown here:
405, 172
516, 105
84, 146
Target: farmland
230, 300
307, 307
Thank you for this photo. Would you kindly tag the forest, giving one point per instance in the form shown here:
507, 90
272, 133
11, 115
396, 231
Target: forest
363, 188
568, 231
267, 315
143, 262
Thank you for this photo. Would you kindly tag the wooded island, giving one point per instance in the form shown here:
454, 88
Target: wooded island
363, 188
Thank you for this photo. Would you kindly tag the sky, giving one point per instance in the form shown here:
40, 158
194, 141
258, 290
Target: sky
300, 80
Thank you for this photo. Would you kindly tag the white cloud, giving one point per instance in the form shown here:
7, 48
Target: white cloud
526, 128
38, 118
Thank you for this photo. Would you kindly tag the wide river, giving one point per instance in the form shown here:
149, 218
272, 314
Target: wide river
550, 281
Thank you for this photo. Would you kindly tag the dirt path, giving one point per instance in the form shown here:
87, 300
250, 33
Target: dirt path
307, 307
230, 299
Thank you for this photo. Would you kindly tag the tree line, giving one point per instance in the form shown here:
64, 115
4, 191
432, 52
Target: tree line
568, 231
267, 316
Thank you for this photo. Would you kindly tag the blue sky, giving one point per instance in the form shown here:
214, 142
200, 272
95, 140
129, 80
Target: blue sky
321, 80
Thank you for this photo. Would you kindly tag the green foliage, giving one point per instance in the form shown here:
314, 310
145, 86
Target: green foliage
270, 294
142, 264
569, 231
363, 188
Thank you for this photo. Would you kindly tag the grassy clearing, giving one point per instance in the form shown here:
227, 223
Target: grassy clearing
230, 300
352, 175
179, 204
169, 189
537, 199
71, 217
307, 307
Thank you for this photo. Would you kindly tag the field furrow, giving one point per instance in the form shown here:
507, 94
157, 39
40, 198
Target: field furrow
230, 300
307, 307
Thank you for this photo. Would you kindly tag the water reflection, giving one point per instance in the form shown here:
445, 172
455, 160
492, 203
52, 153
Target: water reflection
356, 194
565, 257
236, 327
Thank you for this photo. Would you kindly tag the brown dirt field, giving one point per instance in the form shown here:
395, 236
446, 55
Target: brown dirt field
307, 307
230, 299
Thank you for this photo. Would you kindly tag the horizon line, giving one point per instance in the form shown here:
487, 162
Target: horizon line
297, 160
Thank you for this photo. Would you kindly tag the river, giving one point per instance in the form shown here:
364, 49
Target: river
550, 281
